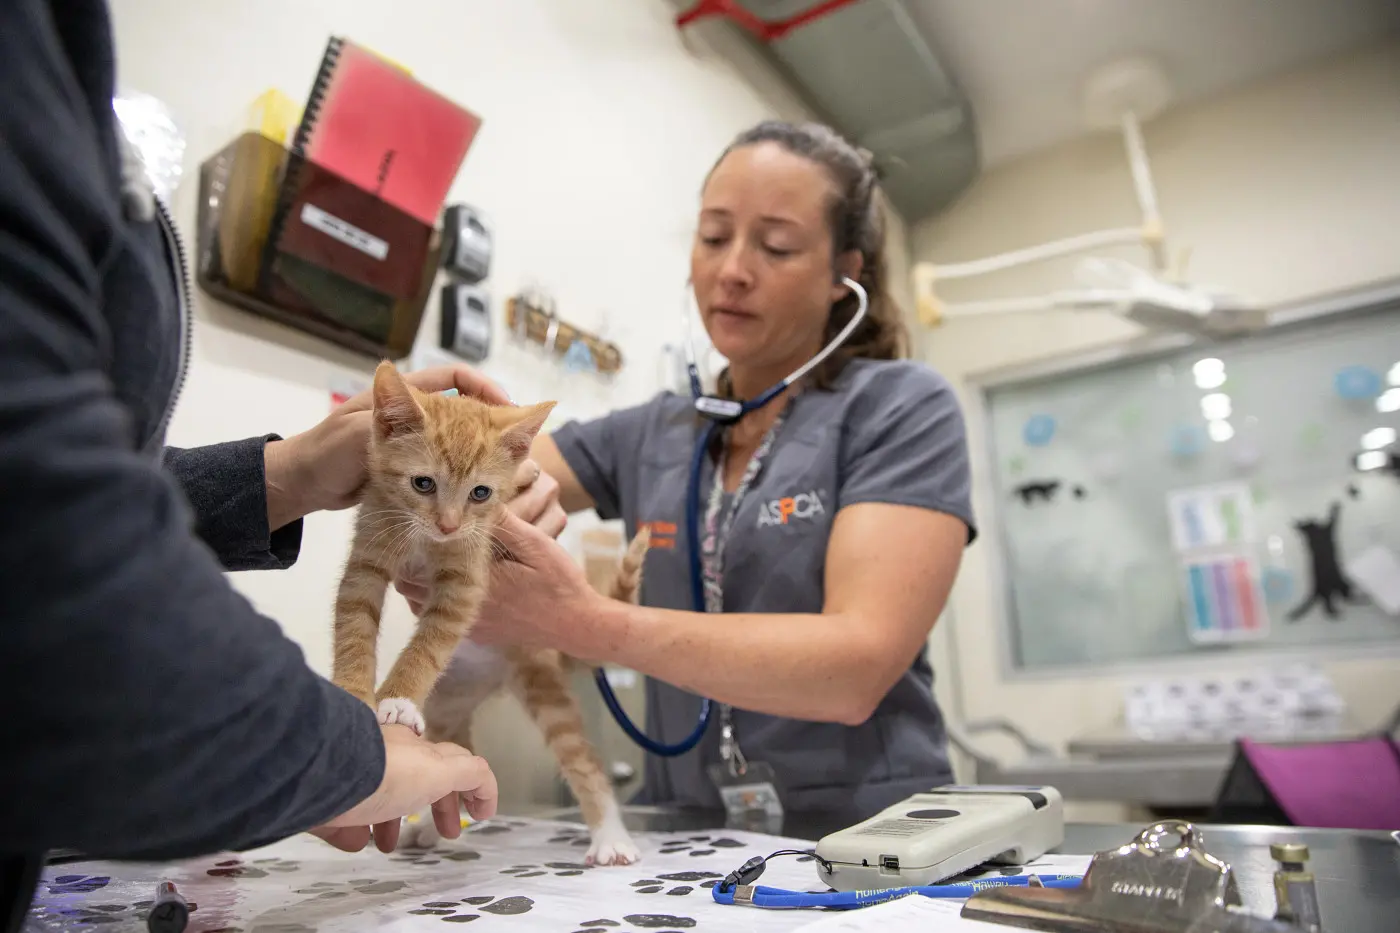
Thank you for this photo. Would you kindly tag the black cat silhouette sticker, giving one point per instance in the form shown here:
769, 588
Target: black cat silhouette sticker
1330, 583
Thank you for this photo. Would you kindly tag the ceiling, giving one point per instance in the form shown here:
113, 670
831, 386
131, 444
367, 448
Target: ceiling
1021, 63
940, 89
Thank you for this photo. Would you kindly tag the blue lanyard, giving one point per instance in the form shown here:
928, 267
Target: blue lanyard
758, 895
712, 548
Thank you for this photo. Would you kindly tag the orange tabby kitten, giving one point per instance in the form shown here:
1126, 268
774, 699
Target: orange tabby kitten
440, 471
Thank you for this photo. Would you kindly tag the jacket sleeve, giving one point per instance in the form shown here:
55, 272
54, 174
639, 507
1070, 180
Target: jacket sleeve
150, 712
227, 490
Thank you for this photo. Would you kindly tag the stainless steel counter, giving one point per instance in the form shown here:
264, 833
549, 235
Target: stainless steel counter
1358, 873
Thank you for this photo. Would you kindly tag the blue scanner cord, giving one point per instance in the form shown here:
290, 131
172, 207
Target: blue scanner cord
738, 887
760, 895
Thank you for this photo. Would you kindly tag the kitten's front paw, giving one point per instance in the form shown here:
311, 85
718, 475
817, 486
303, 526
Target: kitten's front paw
612, 846
402, 711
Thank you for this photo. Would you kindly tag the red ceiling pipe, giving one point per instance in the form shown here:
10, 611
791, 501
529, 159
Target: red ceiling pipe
763, 29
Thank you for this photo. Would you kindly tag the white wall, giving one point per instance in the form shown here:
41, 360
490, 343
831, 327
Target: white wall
1283, 190
600, 121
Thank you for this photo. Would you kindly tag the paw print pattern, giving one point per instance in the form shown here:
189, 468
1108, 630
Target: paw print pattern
644, 921
237, 868
567, 869
97, 914
658, 884
578, 838
451, 911
698, 846
659, 921
78, 884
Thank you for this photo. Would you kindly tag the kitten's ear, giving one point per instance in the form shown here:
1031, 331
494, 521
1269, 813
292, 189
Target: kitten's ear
396, 411
520, 425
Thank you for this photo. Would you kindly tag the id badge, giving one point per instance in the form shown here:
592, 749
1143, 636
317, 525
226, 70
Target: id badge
750, 799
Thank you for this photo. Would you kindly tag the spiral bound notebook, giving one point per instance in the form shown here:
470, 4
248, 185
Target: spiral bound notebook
370, 166
373, 124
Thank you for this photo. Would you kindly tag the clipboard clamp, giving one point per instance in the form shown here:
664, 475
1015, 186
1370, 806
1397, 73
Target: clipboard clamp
1163, 881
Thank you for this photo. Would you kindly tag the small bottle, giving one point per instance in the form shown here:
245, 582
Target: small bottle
1294, 887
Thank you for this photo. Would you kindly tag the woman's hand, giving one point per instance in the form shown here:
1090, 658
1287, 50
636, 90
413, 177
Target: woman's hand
416, 773
324, 468
541, 599
536, 503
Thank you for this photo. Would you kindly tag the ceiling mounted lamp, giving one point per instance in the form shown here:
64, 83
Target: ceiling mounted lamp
1117, 97
765, 30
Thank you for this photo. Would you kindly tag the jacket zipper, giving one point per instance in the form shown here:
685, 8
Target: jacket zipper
176, 247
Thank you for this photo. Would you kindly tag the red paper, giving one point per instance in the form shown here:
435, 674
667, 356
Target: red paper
382, 130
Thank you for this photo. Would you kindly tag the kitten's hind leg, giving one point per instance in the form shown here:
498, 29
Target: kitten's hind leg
538, 680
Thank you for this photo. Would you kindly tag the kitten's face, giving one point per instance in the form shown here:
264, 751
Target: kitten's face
444, 466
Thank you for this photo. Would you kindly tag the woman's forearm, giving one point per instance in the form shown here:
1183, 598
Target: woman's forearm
818, 667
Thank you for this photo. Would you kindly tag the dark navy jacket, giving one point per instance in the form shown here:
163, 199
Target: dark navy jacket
149, 710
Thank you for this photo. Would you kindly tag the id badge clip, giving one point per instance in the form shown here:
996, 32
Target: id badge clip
749, 789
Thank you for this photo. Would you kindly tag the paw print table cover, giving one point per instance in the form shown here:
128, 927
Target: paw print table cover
505, 875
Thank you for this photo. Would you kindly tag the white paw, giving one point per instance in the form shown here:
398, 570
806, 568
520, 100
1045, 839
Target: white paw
419, 831
612, 846
402, 711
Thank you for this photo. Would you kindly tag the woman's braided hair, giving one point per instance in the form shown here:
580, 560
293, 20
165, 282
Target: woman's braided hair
856, 216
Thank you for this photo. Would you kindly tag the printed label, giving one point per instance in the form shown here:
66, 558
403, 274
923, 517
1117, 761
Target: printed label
349, 234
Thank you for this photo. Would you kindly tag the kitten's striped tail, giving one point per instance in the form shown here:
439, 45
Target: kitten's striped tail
627, 582
625, 585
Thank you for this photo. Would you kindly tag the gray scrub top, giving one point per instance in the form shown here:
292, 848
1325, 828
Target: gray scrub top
887, 431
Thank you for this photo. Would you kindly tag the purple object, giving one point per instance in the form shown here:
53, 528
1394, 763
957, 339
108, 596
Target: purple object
1337, 785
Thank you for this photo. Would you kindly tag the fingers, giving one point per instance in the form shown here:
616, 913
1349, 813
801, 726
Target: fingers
535, 501
553, 521
386, 834
520, 538
344, 838
462, 378
526, 473
447, 816
474, 781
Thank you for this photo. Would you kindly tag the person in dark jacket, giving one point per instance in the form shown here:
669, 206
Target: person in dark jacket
149, 710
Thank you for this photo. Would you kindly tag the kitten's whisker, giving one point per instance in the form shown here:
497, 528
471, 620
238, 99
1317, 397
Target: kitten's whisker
389, 531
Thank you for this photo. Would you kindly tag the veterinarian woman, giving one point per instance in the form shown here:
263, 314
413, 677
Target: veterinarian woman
841, 510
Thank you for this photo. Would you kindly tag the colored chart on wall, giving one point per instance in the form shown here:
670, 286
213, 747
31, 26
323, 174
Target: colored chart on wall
1211, 516
1223, 599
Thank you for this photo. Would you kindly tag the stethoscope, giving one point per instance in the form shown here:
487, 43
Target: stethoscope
721, 412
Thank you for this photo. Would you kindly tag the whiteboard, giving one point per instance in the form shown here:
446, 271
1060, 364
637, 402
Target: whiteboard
1150, 508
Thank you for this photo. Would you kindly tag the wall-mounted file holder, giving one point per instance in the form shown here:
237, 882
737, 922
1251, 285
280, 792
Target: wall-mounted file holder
531, 323
280, 237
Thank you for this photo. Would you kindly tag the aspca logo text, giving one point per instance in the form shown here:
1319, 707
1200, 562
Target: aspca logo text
785, 510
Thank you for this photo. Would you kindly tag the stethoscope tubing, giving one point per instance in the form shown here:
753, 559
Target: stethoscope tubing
692, 514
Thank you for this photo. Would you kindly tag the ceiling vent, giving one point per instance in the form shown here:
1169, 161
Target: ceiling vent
863, 67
